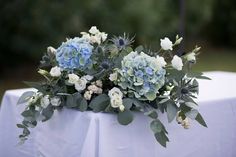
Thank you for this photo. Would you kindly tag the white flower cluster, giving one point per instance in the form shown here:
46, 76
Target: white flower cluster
55, 71
94, 88
79, 83
46, 100
184, 122
116, 98
94, 35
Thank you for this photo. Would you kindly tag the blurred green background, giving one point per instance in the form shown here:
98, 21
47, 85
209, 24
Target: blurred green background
28, 27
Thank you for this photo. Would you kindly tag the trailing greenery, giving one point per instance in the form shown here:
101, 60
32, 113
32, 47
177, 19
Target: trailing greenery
94, 73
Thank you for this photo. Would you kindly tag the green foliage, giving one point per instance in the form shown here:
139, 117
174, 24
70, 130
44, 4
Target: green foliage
100, 103
125, 117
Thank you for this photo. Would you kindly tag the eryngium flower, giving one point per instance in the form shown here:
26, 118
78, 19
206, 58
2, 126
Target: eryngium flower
74, 54
142, 75
122, 42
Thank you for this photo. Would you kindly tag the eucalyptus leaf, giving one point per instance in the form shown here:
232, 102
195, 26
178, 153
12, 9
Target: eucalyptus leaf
83, 105
192, 114
47, 113
100, 103
152, 114
125, 117
150, 96
128, 102
156, 126
171, 110
161, 138
191, 105
200, 120
25, 97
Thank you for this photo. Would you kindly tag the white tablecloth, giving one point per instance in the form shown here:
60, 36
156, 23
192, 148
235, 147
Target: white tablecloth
85, 134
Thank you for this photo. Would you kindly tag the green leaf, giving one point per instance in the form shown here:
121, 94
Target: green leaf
150, 96
139, 48
191, 105
20, 126
152, 114
171, 110
156, 126
25, 97
29, 115
192, 114
36, 85
125, 117
83, 105
100, 103
200, 120
161, 138
71, 100
128, 102
47, 113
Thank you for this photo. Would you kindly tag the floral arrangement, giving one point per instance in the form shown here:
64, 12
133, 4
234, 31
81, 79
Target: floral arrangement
94, 73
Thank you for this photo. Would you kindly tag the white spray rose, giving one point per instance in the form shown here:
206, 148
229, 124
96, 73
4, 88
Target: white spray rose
80, 84
94, 30
85, 36
88, 95
99, 83
73, 78
51, 50
55, 101
95, 39
177, 63
113, 77
166, 44
45, 101
102, 36
55, 71
191, 56
161, 61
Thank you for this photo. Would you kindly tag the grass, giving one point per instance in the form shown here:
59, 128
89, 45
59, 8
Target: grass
212, 60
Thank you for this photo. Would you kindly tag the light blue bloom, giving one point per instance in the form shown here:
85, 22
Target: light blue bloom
147, 77
74, 54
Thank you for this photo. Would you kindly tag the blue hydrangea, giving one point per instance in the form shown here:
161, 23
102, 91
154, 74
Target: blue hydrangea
142, 75
74, 54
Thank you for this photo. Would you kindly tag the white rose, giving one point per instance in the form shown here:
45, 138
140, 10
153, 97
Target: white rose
55, 71
177, 63
113, 77
51, 50
55, 101
88, 77
116, 101
115, 91
161, 61
122, 108
99, 83
73, 78
45, 101
88, 95
166, 44
94, 30
80, 84
191, 56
